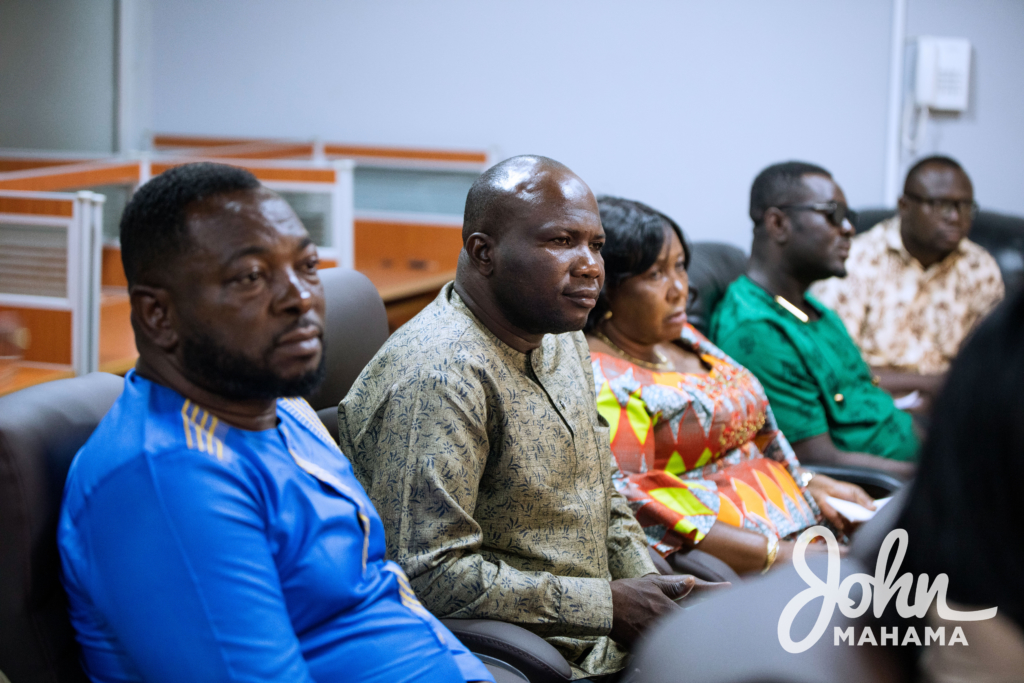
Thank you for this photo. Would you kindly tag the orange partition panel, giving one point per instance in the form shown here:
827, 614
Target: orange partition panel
9, 164
388, 244
280, 148
293, 175
160, 141
65, 208
399, 153
259, 150
117, 340
112, 272
50, 332
77, 175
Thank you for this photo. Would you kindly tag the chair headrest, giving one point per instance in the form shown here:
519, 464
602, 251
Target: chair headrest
356, 327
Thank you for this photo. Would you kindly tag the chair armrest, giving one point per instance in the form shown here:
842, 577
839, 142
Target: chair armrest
526, 651
877, 484
703, 566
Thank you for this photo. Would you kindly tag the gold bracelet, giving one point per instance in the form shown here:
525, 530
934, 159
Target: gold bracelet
773, 551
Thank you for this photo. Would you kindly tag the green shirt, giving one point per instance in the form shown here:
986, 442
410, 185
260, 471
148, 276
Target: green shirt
492, 473
813, 374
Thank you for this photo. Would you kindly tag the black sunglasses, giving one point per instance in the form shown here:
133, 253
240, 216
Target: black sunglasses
835, 212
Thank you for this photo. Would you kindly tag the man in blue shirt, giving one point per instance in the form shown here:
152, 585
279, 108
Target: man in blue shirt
211, 529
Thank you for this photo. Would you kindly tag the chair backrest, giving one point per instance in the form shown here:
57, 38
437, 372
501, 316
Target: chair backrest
356, 327
869, 218
713, 267
41, 429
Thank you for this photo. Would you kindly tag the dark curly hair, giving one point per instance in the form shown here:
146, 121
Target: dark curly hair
634, 236
153, 230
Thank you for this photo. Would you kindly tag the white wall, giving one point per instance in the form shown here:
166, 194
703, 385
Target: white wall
988, 139
134, 74
678, 104
57, 74
675, 103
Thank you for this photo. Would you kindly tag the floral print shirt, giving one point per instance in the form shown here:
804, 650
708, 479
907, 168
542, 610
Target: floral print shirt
902, 315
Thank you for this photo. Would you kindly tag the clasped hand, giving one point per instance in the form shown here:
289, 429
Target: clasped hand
638, 603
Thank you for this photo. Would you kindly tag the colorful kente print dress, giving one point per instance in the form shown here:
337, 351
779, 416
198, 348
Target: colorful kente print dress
694, 450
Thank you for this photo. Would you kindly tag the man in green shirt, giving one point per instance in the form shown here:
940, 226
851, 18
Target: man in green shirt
821, 390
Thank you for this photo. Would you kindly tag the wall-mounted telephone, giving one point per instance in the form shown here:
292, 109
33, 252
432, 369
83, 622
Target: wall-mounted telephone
943, 73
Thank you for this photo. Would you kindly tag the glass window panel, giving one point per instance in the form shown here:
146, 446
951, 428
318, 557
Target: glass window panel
390, 189
314, 210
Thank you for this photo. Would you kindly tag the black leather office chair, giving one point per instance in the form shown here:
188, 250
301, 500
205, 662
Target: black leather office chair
355, 328
41, 429
713, 267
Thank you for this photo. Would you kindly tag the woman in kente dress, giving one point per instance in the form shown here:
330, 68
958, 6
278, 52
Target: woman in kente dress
700, 457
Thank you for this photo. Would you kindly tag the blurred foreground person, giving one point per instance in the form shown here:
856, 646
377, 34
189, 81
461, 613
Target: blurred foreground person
701, 460
961, 514
474, 432
915, 285
820, 388
211, 530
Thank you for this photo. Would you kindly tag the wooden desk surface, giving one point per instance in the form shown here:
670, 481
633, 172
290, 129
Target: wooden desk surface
395, 284
27, 376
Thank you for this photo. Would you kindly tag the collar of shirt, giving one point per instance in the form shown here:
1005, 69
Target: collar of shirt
540, 364
894, 241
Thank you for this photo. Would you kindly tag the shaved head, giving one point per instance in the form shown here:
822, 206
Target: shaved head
531, 250
506, 189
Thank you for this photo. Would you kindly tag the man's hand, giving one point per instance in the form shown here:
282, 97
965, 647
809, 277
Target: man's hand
636, 603
821, 487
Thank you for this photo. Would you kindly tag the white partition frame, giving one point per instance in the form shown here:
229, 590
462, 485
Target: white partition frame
82, 295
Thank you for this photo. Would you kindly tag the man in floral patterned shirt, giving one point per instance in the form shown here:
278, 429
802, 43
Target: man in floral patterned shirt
476, 433
916, 285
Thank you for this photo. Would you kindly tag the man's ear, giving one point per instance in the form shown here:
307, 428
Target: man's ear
480, 249
154, 316
777, 225
902, 206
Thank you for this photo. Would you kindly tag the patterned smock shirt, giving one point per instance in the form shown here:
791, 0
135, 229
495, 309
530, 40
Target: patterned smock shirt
492, 472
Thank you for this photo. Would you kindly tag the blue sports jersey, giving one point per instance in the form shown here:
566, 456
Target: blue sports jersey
196, 551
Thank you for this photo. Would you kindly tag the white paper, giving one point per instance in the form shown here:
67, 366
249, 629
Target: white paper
908, 402
855, 512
